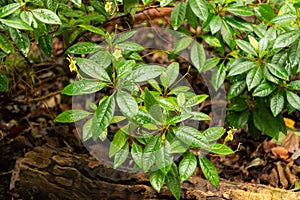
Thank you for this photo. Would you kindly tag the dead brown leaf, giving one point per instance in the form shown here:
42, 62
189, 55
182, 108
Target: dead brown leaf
290, 142
280, 152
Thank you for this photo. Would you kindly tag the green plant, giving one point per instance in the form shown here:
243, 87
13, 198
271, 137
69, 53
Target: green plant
153, 114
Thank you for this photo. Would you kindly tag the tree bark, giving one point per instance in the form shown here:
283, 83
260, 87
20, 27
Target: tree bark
49, 173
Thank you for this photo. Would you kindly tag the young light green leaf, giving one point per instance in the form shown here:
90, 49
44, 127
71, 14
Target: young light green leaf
215, 24
254, 77
187, 166
71, 116
211, 40
103, 115
220, 149
83, 87
157, 180
130, 46
46, 16
92, 69
83, 48
92, 29
5, 44
178, 15
196, 100
209, 171
241, 67
264, 89
199, 7
16, 23
145, 73
218, 77
198, 56
137, 154
121, 156
294, 85
278, 71
286, 39
9, 9
246, 47
236, 89
293, 99
213, 133
3, 83
127, 104
120, 139
277, 103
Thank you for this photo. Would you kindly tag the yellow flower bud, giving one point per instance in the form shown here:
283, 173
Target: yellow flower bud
72, 65
117, 54
108, 6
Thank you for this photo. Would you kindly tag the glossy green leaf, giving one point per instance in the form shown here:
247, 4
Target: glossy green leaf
215, 24
241, 67
278, 71
263, 89
83, 87
211, 40
173, 183
285, 39
283, 18
199, 116
266, 11
240, 11
199, 7
4, 84
182, 44
163, 158
76, 2
71, 116
155, 85
294, 85
213, 133
16, 23
178, 118
45, 43
246, 47
263, 44
190, 136
103, 115
236, 89
293, 99
164, 3
239, 24
125, 68
172, 72
196, 100
46, 16
277, 103
209, 171
221, 149
210, 63
21, 40
191, 17
218, 77
151, 147
130, 46
198, 56
178, 14
92, 29
9, 9
177, 147
123, 36
137, 154
83, 48
127, 104
121, 156
86, 133
92, 69
120, 139
27, 17
104, 58
157, 180
238, 119
187, 166
145, 73
5, 44
227, 32
254, 77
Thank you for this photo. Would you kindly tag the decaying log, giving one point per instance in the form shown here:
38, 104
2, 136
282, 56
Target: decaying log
49, 173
